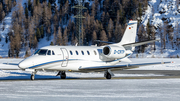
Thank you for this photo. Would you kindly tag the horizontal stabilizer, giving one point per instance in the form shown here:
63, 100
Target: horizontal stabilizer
139, 43
104, 42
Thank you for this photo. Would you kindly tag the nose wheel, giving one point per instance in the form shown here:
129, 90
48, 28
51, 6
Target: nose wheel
33, 75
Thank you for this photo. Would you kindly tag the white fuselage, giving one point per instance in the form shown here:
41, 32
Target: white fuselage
66, 58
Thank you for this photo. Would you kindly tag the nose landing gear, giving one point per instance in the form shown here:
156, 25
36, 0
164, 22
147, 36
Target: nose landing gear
33, 75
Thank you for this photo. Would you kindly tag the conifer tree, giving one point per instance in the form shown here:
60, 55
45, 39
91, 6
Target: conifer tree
42, 31
26, 12
65, 37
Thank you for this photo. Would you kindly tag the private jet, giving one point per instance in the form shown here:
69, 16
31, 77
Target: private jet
86, 59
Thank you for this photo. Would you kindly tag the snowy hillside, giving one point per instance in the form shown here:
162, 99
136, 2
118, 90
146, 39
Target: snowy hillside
3, 34
5, 28
158, 12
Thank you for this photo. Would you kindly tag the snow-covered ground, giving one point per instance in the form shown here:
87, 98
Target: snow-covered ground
91, 90
78, 89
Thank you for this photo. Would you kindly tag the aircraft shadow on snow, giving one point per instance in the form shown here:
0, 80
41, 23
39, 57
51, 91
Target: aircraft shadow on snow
26, 76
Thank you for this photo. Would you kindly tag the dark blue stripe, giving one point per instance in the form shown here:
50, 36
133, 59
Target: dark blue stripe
48, 63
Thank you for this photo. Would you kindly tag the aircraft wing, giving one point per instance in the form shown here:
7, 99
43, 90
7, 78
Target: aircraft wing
127, 66
9, 66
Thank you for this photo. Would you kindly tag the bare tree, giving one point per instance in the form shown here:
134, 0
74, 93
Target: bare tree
177, 31
31, 32
59, 37
165, 32
94, 36
48, 33
110, 29
103, 37
65, 37
118, 33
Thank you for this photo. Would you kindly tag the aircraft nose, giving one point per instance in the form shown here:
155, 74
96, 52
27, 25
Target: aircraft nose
22, 65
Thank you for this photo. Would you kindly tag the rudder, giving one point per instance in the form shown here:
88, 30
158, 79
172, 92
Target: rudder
130, 33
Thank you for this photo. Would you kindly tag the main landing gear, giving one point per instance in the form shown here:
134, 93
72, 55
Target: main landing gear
108, 74
33, 75
62, 74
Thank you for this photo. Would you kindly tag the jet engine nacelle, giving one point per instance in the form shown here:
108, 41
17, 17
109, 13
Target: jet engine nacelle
114, 52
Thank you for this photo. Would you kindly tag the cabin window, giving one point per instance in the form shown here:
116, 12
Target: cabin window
95, 53
71, 52
49, 52
76, 52
88, 53
53, 53
82, 52
41, 52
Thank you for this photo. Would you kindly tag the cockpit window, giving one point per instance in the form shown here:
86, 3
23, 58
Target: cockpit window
53, 53
41, 52
49, 52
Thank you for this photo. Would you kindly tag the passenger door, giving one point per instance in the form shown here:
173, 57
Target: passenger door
65, 57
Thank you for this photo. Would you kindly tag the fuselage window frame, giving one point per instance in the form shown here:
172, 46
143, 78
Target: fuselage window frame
77, 52
71, 52
88, 52
82, 52
95, 52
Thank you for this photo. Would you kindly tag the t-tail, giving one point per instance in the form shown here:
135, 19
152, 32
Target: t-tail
129, 35
122, 50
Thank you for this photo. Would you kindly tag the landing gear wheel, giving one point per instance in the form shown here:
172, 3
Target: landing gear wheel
32, 77
63, 75
108, 76
33, 74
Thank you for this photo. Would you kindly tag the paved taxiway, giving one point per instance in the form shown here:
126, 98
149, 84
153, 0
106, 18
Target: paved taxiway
135, 74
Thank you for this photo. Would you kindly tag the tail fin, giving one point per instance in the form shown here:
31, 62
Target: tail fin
130, 33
